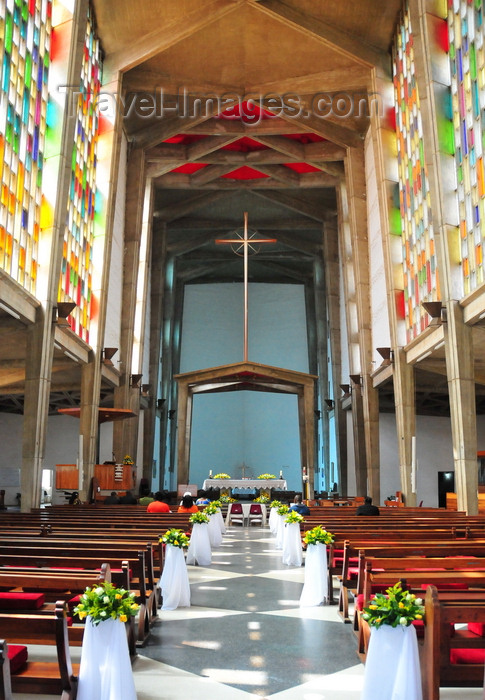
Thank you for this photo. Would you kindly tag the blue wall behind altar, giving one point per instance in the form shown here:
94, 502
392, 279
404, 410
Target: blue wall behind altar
257, 429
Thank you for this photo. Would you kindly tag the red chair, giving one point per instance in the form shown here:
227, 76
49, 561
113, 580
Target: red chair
255, 514
235, 514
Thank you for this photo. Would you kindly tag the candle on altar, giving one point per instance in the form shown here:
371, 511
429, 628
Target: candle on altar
210, 473
281, 474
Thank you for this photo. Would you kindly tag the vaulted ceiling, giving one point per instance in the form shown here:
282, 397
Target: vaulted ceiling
241, 106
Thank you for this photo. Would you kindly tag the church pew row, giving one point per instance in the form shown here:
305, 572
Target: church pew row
133, 572
58, 677
452, 656
352, 574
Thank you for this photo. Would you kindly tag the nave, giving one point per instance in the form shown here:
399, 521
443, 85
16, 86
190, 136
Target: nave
245, 635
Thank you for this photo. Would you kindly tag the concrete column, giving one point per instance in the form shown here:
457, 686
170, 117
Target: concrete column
356, 185
125, 433
332, 285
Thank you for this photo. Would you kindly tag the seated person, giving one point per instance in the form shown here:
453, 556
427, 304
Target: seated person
187, 505
367, 508
112, 499
202, 499
300, 507
158, 505
128, 498
145, 500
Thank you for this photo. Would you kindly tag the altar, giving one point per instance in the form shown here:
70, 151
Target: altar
279, 484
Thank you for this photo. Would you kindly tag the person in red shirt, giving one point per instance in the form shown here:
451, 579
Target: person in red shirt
188, 505
158, 505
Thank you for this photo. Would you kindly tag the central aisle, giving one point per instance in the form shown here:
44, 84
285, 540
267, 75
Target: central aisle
246, 634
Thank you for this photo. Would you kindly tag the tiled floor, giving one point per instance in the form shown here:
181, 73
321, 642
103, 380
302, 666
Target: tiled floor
245, 635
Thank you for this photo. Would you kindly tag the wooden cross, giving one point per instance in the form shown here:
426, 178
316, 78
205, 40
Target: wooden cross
244, 242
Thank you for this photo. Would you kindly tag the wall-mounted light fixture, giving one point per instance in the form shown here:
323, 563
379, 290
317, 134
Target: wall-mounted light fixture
135, 381
356, 378
436, 311
145, 389
318, 414
160, 403
107, 355
62, 311
171, 413
346, 389
330, 404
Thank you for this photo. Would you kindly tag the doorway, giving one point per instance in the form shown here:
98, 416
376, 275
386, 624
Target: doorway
446, 484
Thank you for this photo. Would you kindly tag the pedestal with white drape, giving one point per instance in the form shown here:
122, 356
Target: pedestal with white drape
174, 581
280, 530
105, 671
199, 551
392, 670
315, 587
292, 551
220, 520
215, 533
273, 520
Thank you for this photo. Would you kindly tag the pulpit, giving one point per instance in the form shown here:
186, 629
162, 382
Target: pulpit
111, 477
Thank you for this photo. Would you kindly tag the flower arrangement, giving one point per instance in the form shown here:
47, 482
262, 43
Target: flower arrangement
282, 509
127, 460
211, 509
222, 475
266, 476
261, 499
275, 504
395, 607
294, 517
175, 537
105, 602
199, 517
318, 534
226, 499
216, 504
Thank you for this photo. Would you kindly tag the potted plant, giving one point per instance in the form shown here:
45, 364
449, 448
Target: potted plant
105, 659
392, 660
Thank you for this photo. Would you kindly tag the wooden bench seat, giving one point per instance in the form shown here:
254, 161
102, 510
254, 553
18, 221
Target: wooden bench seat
452, 657
38, 677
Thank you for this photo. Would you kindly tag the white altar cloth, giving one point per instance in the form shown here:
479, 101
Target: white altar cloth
245, 484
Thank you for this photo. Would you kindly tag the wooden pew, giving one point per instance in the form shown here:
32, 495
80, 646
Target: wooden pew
443, 642
51, 678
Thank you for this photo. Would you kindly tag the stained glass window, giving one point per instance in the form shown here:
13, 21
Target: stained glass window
25, 35
77, 264
421, 281
467, 60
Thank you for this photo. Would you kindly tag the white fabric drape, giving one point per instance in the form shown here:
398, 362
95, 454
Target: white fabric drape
392, 670
174, 580
220, 520
292, 551
215, 534
280, 529
199, 551
105, 671
272, 521
315, 587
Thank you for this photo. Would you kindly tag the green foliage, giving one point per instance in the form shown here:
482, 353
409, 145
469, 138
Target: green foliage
318, 534
395, 607
105, 602
175, 537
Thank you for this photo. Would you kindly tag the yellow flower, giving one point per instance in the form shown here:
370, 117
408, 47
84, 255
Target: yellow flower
123, 618
82, 614
401, 605
118, 596
373, 607
176, 542
418, 616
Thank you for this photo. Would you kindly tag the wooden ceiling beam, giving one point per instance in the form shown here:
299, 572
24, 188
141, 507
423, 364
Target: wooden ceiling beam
227, 225
160, 40
268, 127
187, 154
323, 81
297, 151
180, 181
294, 203
340, 42
209, 174
188, 205
278, 172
